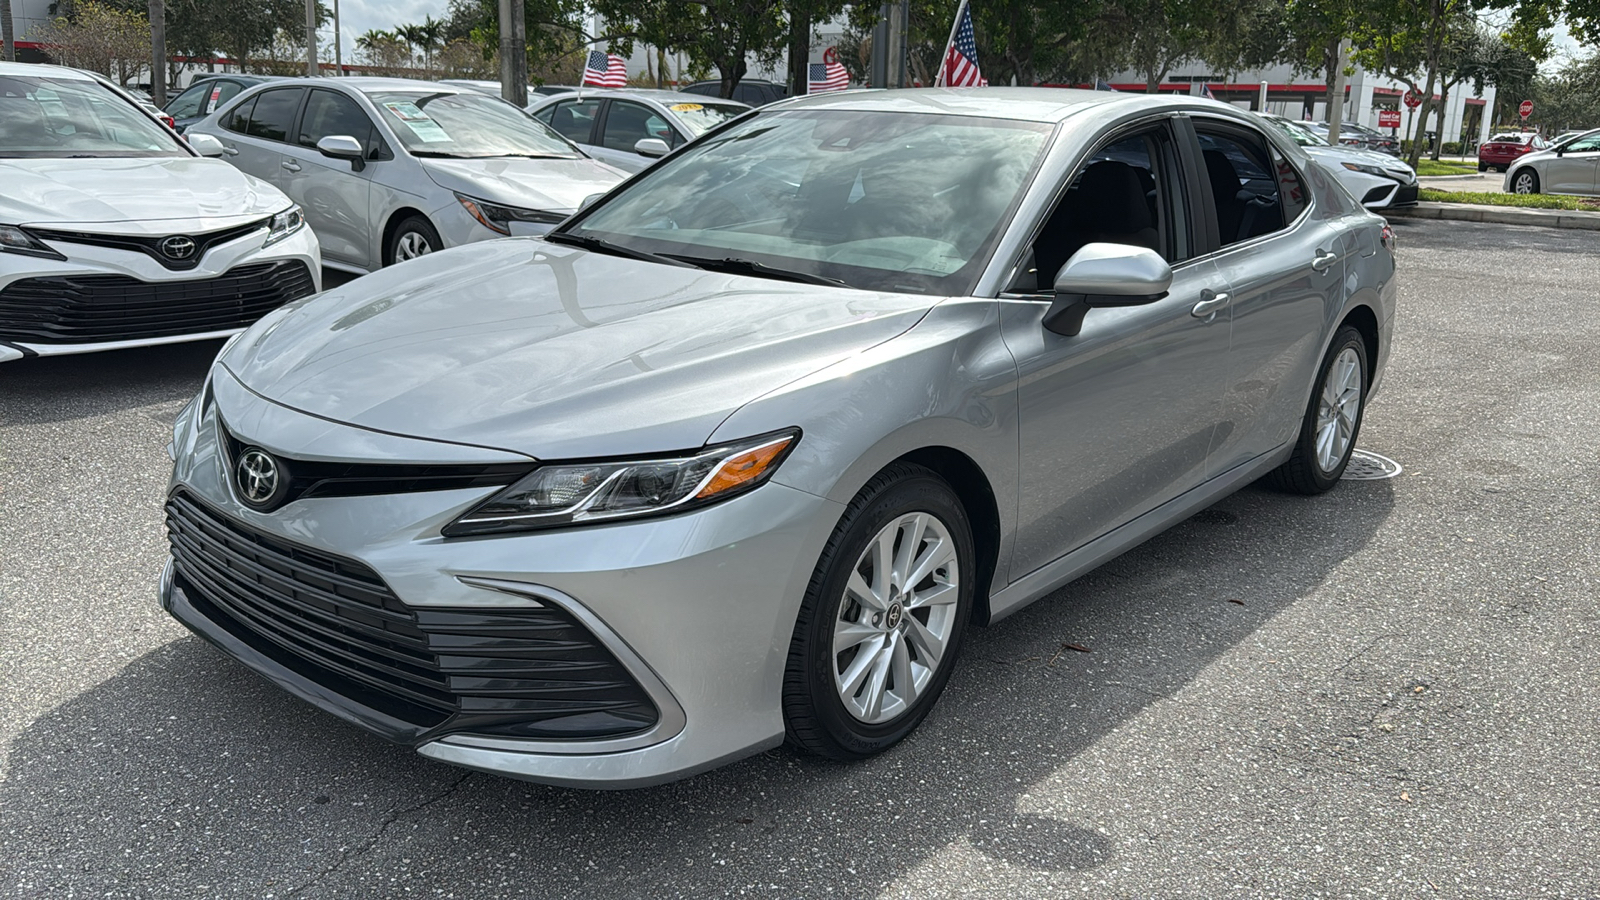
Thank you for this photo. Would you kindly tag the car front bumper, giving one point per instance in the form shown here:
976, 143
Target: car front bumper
698, 608
101, 298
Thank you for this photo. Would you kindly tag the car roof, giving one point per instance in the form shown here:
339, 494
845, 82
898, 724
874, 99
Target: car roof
666, 98
1034, 104
40, 69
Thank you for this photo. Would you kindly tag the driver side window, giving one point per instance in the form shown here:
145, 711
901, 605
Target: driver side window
1125, 193
1585, 145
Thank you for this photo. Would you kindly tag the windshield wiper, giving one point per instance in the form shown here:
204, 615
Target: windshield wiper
736, 266
601, 245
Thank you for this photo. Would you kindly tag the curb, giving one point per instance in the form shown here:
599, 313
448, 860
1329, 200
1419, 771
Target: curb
1457, 177
1500, 215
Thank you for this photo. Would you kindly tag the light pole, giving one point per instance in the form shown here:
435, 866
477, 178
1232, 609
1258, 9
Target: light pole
311, 38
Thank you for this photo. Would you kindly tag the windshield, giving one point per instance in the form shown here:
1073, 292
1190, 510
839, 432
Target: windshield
466, 124
1299, 135
699, 118
885, 201
48, 117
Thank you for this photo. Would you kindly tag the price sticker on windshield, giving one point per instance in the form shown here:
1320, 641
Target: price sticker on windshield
686, 107
420, 123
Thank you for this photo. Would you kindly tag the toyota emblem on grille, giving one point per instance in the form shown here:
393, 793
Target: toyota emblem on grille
177, 247
259, 478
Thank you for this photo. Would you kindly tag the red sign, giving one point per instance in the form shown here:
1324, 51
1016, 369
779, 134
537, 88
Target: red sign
1413, 99
1388, 118
1526, 109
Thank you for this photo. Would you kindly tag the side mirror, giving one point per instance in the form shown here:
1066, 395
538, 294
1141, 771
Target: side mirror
343, 146
1105, 275
205, 144
655, 148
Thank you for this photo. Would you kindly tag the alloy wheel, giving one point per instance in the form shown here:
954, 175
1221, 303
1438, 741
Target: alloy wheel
1524, 184
412, 245
896, 618
1338, 409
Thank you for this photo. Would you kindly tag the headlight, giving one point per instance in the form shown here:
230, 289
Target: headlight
567, 494
498, 218
15, 240
1367, 170
284, 224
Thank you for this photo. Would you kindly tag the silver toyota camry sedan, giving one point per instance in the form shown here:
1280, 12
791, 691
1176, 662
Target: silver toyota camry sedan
739, 453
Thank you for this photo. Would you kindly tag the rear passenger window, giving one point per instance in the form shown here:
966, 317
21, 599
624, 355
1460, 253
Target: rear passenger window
1291, 187
574, 119
274, 114
1244, 188
239, 119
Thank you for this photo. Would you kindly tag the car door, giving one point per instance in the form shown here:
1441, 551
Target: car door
1284, 259
1117, 419
623, 124
334, 193
574, 120
1574, 170
255, 132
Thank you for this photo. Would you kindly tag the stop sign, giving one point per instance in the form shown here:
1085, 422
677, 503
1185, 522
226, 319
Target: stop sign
1388, 118
1413, 99
1526, 109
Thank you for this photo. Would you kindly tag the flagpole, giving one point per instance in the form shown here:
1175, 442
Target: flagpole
939, 82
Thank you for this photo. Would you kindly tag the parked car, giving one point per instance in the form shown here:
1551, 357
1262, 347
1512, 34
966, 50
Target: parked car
1347, 137
1500, 151
1374, 139
1377, 180
1571, 167
206, 94
749, 91
388, 169
115, 233
739, 453
1565, 136
631, 129
492, 88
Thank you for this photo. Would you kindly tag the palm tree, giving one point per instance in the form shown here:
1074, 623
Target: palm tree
413, 35
432, 33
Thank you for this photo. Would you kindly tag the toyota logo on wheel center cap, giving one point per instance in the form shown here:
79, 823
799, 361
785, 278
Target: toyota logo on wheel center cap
259, 478
177, 247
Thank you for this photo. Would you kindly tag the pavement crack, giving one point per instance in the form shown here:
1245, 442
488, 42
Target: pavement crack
377, 835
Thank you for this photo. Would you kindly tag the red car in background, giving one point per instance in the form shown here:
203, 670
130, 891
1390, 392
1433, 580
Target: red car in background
1500, 151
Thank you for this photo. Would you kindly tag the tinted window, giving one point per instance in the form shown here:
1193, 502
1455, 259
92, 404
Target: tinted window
328, 113
629, 123
238, 119
274, 114
574, 119
1243, 188
187, 104
1124, 194
221, 92
1584, 144
1291, 187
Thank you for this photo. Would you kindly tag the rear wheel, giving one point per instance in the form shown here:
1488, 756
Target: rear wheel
1525, 182
1332, 421
883, 617
1483, 167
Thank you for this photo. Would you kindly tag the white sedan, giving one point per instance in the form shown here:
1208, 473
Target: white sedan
1378, 180
114, 232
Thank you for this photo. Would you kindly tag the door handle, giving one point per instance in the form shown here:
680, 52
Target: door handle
1210, 302
231, 151
291, 166
1323, 260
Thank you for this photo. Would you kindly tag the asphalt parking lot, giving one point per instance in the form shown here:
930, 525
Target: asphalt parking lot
1387, 691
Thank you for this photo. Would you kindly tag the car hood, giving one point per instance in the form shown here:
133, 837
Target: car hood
556, 185
89, 191
1341, 154
555, 352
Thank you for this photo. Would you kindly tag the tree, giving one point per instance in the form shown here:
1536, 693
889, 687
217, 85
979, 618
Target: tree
1409, 41
100, 38
8, 32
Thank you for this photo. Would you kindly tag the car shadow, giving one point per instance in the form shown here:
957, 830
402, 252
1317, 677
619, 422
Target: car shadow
185, 774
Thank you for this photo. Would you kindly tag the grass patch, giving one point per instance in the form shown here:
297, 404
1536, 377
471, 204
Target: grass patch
1526, 201
1429, 167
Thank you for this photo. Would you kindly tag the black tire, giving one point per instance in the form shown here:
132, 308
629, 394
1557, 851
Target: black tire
1533, 177
1482, 167
815, 717
1302, 473
416, 226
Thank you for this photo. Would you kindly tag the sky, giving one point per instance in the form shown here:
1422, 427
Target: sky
356, 17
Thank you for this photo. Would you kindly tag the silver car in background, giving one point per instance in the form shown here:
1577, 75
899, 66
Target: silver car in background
1377, 180
738, 453
631, 129
388, 169
1571, 166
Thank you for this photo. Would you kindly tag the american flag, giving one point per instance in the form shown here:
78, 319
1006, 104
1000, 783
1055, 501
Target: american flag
605, 70
1206, 93
1100, 84
960, 67
826, 77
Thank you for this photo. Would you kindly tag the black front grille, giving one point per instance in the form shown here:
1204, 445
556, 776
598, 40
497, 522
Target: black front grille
151, 246
69, 309
1406, 196
523, 672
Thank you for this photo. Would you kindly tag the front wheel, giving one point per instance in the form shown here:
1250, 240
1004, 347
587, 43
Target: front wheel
413, 237
1333, 420
883, 617
1525, 182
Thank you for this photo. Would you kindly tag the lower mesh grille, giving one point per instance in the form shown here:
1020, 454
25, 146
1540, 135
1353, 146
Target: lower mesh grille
535, 673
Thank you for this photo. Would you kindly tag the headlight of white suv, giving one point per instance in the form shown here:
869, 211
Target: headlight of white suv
284, 224
566, 494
